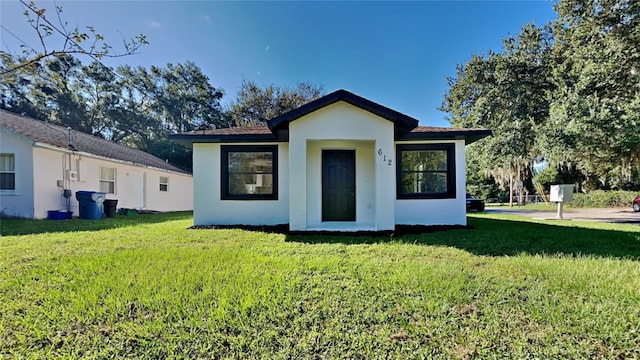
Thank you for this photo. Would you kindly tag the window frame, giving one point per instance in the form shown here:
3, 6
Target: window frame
224, 171
166, 183
450, 172
14, 172
114, 181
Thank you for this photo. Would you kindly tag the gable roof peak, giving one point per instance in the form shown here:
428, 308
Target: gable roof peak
403, 123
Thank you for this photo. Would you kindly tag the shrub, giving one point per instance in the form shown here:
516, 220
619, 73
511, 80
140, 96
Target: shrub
547, 177
603, 199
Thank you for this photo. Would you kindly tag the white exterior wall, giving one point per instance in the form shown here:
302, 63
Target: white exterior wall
47, 169
178, 197
365, 183
20, 201
209, 209
342, 126
136, 186
437, 211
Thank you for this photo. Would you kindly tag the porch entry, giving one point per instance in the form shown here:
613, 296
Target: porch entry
338, 185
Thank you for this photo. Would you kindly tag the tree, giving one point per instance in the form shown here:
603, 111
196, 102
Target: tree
50, 94
75, 41
161, 101
179, 97
16, 91
65, 92
132, 106
99, 88
508, 93
567, 94
594, 114
255, 105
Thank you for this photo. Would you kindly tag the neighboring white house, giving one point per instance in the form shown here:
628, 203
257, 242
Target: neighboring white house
38, 160
339, 163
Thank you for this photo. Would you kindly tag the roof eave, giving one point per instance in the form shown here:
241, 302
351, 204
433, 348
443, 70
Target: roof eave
109, 159
400, 120
469, 136
189, 140
31, 130
17, 134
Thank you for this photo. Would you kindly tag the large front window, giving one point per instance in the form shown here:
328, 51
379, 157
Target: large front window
7, 172
249, 172
425, 171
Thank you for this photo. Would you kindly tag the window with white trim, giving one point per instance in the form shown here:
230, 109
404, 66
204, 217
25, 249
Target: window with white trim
164, 183
108, 180
8, 172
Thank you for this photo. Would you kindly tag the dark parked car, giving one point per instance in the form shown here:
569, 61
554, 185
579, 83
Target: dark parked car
474, 204
636, 204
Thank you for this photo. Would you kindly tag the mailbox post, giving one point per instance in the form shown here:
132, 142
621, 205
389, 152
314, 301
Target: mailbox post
561, 194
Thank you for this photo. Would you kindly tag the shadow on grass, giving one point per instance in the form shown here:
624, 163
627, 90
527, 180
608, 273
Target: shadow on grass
13, 226
492, 237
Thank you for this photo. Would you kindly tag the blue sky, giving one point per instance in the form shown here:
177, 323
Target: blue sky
395, 53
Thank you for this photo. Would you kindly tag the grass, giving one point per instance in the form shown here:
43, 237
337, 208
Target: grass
148, 287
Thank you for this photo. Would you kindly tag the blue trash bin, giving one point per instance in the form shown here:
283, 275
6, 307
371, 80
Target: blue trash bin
91, 204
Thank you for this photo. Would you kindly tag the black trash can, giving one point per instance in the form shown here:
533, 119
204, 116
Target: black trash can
110, 206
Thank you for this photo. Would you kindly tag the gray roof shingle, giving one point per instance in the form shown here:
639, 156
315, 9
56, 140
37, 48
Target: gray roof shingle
469, 135
57, 136
252, 130
401, 121
406, 128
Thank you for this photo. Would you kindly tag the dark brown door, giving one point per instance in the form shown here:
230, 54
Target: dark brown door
338, 185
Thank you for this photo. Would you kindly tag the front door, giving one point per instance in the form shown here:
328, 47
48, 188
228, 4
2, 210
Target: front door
338, 185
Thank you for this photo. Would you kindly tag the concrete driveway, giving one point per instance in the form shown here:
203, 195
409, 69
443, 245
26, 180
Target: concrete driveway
609, 215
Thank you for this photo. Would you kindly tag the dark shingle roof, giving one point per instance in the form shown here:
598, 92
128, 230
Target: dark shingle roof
235, 134
400, 120
253, 130
57, 136
443, 133
406, 128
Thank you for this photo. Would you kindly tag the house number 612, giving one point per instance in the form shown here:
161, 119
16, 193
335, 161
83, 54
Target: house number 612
384, 158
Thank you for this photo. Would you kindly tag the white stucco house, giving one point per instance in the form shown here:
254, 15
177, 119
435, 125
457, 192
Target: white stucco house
339, 163
39, 160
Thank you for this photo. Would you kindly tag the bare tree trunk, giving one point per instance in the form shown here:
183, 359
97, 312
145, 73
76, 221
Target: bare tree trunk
511, 190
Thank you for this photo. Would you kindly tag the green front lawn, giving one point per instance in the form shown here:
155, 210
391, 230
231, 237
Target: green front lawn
148, 287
